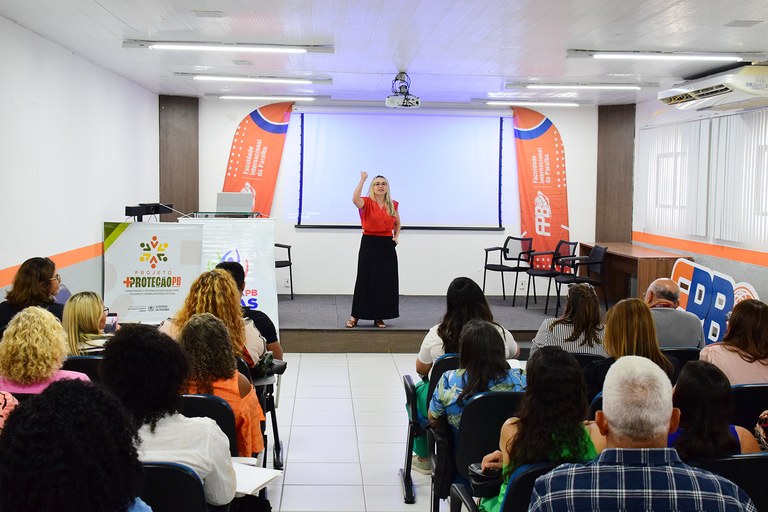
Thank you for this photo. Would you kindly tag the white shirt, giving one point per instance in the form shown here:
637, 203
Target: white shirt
432, 346
195, 442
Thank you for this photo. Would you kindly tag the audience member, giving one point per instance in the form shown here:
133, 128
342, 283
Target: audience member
703, 395
549, 425
215, 292
8, 403
214, 372
84, 320
636, 471
743, 353
579, 330
148, 371
260, 319
35, 284
32, 352
629, 331
675, 328
71, 448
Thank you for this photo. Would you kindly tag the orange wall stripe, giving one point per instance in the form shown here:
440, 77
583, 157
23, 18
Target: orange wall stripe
718, 251
62, 260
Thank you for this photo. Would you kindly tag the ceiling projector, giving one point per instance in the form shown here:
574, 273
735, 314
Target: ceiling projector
401, 97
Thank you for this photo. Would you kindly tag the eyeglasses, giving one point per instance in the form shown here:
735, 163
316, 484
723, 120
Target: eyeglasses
380, 183
56, 277
106, 311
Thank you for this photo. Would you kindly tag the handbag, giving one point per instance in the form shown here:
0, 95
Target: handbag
263, 365
485, 484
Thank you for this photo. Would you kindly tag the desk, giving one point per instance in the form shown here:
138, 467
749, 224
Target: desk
629, 269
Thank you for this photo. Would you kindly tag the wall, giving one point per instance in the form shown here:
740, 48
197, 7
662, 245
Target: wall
77, 144
324, 260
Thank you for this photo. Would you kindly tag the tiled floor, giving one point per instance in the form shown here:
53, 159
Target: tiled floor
342, 421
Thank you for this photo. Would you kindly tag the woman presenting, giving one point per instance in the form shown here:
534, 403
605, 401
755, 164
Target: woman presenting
376, 288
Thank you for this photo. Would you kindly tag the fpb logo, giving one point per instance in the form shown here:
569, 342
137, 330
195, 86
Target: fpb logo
153, 251
542, 212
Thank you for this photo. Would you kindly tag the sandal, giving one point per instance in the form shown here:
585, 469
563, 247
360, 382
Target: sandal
352, 322
380, 324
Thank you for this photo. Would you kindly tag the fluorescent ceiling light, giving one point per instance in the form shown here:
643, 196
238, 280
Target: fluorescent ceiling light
225, 47
252, 79
707, 57
269, 98
513, 103
585, 87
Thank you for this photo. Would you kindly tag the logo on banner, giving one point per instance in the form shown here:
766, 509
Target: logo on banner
709, 295
249, 298
153, 252
541, 214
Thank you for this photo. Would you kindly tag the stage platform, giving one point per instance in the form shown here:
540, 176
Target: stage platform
315, 323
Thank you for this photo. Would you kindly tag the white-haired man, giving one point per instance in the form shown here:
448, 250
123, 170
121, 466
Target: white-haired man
636, 471
675, 328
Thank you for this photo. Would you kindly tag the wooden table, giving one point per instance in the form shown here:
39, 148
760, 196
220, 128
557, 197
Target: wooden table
629, 269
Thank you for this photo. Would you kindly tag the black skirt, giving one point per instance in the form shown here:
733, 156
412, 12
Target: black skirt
376, 287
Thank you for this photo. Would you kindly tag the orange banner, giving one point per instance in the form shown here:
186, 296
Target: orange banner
541, 181
257, 149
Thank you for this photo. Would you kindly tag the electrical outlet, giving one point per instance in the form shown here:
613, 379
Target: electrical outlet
286, 283
521, 285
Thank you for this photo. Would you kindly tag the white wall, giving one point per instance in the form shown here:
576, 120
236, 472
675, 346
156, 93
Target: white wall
77, 144
325, 260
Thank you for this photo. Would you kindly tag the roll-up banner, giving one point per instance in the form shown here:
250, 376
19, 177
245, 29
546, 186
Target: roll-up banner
148, 268
250, 242
541, 180
254, 159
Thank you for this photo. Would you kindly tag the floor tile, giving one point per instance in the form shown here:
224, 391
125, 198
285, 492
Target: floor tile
341, 405
378, 392
378, 404
323, 418
324, 435
382, 418
322, 473
376, 434
388, 370
323, 392
385, 473
320, 498
390, 499
392, 380
382, 452
379, 360
315, 452
323, 378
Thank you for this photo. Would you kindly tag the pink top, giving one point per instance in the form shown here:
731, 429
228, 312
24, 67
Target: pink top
38, 387
733, 366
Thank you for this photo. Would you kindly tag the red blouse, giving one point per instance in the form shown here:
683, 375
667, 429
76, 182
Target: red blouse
376, 220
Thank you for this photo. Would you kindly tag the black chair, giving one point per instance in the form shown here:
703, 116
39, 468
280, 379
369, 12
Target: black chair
515, 257
519, 490
286, 263
749, 401
89, 365
594, 273
683, 355
556, 267
746, 471
596, 405
170, 487
479, 428
442, 364
216, 408
585, 359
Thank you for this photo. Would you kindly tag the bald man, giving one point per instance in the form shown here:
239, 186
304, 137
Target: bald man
675, 328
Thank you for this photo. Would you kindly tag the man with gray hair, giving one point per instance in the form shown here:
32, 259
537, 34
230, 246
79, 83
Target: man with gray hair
636, 471
675, 328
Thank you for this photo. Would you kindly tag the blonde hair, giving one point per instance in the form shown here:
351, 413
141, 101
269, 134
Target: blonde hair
215, 292
388, 204
33, 347
82, 314
629, 331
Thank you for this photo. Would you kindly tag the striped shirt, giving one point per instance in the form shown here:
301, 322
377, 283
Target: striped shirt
636, 479
556, 337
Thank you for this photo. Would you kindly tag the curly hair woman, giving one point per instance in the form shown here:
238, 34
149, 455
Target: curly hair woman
32, 352
214, 372
215, 292
71, 448
84, 321
148, 372
36, 283
549, 425
579, 330
743, 353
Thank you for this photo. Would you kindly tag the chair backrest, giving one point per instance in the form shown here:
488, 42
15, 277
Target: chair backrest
585, 359
683, 355
595, 262
89, 365
564, 248
481, 421
170, 487
442, 364
746, 471
517, 248
749, 401
596, 405
520, 487
216, 408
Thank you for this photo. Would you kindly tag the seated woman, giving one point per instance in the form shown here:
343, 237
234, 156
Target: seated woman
84, 321
214, 372
32, 352
70, 448
464, 302
483, 367
743, 353
36, 283
215, 292
549, 425
579, 330
703, 395
148, 372
629, 331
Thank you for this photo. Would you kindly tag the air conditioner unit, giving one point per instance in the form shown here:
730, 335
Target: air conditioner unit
736, 89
